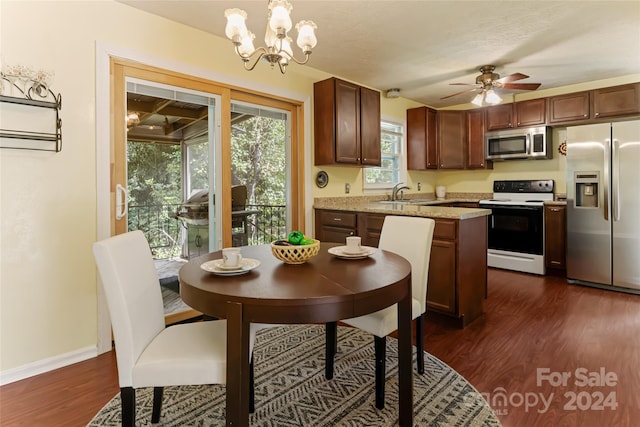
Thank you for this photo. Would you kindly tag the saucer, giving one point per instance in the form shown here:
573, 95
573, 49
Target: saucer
217, 266
339, 251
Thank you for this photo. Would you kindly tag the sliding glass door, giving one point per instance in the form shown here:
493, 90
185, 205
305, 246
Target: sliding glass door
260, 146
171, 168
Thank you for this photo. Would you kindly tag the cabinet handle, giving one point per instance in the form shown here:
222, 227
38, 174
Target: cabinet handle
351, 233
597, 114
554, 209
585, 115
337, 219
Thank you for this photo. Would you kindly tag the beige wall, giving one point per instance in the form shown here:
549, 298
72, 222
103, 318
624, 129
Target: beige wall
48, 201
48, 281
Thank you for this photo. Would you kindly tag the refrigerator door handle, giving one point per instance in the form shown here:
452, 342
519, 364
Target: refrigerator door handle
607, 180
615, 181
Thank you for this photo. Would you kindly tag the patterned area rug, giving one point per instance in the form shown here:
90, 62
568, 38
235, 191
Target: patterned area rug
291, 389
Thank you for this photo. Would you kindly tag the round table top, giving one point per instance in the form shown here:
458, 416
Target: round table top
325, 288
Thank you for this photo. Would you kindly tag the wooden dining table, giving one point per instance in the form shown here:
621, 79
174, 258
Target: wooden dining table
324, 289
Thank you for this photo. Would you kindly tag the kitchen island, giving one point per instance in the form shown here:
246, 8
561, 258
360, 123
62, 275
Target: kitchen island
458, 267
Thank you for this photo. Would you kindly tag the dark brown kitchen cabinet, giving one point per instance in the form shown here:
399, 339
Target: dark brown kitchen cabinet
422, 142
335, 226
531, 113
589, 106
569, 108
457, 285
555, 231
499, 117
519, 114
475, 141
452, 141
346, 124
369, 228
616, 101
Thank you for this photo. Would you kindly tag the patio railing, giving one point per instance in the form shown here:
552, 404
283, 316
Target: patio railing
165, 234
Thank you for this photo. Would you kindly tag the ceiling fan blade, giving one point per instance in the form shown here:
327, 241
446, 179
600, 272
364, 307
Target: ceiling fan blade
512, 78
460, 93
521, 86
463, 84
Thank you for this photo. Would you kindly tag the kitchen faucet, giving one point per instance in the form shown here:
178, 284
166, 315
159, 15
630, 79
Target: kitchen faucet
398, 187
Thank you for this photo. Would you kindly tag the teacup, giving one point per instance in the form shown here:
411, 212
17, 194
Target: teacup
353, 245
231, 257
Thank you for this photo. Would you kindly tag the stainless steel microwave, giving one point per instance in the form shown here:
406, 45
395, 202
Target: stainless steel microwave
520, 143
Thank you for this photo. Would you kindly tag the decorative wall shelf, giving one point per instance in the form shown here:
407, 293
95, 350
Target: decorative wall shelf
29, 116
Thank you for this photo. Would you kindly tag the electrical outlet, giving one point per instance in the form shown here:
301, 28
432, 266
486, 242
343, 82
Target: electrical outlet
419, 186
347, 188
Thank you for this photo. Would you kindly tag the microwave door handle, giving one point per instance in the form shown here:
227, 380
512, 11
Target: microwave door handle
527, 143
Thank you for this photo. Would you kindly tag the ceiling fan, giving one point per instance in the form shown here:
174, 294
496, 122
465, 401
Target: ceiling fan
488, 81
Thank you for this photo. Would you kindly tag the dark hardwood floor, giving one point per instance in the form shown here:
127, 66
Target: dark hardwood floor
535, 330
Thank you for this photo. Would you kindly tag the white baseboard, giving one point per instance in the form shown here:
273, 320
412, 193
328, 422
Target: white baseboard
46, 365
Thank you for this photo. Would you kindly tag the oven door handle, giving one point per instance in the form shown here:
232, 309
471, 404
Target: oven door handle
512, 207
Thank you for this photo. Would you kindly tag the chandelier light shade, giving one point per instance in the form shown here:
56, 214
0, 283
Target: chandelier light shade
278, 43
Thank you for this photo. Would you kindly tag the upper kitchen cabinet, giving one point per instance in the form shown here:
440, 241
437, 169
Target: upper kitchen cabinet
346, 124
422, 143
569, 108
475, 141
452, 143
616, 101
589, 106
519, 114
499, 117
531, 113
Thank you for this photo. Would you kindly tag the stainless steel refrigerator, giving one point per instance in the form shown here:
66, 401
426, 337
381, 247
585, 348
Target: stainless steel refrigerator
603, 205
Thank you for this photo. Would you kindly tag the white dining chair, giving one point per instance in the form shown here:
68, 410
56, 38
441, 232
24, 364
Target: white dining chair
149, 354
409, 237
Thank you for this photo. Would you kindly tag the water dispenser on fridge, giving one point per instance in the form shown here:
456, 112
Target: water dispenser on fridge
586, 189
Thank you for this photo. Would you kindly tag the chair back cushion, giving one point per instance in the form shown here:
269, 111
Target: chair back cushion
410, 237
132, 288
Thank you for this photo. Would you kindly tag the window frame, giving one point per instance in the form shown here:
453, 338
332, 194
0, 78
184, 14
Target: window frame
402, 158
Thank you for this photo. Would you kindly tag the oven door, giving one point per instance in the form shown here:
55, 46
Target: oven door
516, 228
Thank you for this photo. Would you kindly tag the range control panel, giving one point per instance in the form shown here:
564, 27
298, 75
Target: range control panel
523, 186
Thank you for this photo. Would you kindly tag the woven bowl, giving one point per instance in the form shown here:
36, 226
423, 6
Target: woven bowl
296, 254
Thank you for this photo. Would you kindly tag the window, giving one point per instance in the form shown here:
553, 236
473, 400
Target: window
393, 169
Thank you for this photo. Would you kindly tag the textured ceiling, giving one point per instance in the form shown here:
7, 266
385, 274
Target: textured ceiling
423, 46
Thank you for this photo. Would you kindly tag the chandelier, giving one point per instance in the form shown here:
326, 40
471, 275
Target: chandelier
278, 43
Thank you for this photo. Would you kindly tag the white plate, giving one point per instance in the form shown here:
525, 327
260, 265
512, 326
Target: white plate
339, 251
216, 266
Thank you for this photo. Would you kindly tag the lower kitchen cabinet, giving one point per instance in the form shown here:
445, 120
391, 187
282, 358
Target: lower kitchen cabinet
458, 266
369, 228
555, 236
458, 269
335, 226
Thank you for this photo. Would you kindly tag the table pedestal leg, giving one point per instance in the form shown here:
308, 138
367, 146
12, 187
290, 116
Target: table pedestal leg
238, 370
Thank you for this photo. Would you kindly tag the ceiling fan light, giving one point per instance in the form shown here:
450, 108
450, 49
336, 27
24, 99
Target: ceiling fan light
492, 97
478, 99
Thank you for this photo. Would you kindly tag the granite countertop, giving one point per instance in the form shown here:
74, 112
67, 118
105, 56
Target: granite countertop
428, 206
